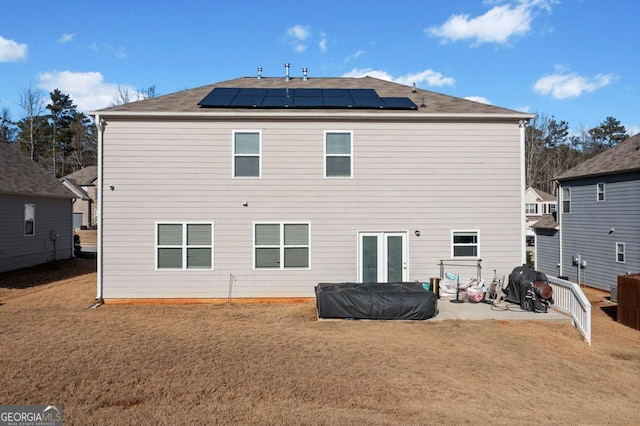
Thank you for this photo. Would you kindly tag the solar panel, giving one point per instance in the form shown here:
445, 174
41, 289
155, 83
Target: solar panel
255, 97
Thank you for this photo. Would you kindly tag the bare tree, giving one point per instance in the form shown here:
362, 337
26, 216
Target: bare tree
124, 95
32, 103
7, 127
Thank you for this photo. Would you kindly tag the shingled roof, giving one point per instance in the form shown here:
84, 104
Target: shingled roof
84, 176
21, 176
544, 196
623, 158
547, 222
428, 102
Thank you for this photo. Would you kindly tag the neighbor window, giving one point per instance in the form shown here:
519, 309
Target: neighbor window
465, 243
338, 154
566, 200
600, 192
281, 245
29, 219
531, 208
246, 153
552, 208
620, 252
184, 245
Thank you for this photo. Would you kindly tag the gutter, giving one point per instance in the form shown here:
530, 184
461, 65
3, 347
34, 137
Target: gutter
523, 220
100, 123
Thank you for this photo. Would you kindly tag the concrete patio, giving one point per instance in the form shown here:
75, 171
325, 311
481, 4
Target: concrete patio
502, 311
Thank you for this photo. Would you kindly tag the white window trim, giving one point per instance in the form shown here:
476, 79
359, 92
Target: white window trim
624, 252
477, 256
281, 246
598, 192
24, 221
184, 245
535, 208
233, 154
563, 200
324, 164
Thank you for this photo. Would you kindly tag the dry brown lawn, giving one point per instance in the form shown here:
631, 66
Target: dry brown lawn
275, 365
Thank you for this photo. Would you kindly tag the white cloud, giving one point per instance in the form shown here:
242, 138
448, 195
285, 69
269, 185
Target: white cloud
66, 38
354, 56
480, 99
323, 42
524, 108
300, 47
88, 90
632, 130
299, 32
11, 51
562, 86
498, 25
118, 52
432, 78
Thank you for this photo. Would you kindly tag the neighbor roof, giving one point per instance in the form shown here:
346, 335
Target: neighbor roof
548, 221
428, 102
623, 158
85, 176
543, 195
21, 176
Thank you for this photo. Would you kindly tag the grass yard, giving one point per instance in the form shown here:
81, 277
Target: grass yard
276, 365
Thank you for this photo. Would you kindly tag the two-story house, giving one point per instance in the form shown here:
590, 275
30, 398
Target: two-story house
537, 204
597, 229
83, 183
263, 187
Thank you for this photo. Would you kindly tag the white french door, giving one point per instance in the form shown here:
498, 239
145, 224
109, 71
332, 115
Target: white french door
382, 257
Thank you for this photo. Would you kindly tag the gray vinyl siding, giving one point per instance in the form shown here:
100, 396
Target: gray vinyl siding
547, 251
586, 230
407, 176
20, 251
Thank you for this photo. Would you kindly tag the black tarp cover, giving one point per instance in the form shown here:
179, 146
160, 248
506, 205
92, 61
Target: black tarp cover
521, 280
388, 301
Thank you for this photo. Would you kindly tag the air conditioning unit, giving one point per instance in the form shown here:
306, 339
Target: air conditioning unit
614, 294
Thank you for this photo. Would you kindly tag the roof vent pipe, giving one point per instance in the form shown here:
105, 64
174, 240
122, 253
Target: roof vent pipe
259, 73
414, 88
304, 74
286, 69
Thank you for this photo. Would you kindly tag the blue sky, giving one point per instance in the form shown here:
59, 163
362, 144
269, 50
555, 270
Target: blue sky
577, 60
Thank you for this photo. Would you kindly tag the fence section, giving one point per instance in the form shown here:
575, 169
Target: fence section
569, 298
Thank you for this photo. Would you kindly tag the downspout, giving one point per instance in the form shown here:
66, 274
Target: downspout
559, 216
100, 123
523, 219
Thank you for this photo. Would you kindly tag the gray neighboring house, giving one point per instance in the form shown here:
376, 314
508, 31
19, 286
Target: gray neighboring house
598, 218
245, 201
35, 213
83, 184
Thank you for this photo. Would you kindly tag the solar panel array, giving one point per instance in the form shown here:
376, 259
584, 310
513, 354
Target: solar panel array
228, 97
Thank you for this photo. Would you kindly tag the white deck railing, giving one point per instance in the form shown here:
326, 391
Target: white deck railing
569, 298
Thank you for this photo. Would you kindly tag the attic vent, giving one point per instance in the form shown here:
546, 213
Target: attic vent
304, 74
414, 88
259, 73
286, 70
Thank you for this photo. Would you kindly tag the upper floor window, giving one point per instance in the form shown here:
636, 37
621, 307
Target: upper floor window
531, 208
465, 243
620, 250
281, 246
247, 150
184, 245
338, 160
600, 191
552, 208
566, 200
29, 219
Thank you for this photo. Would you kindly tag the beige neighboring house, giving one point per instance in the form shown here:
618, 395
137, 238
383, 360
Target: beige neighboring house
537, 204
263, 187
83, 184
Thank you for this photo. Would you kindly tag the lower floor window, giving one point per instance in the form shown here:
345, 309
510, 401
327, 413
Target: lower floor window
465, 243
620, 252
184, 245
281, 245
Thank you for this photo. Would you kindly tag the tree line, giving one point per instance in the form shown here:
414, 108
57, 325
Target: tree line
550, 149
53, 133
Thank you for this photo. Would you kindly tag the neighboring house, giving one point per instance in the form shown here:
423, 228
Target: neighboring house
598, 218
83, 184
536, 204
35, 213
264, 193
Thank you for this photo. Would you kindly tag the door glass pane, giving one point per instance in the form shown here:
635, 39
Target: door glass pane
369, 259
394, 259
296, 257
170, 258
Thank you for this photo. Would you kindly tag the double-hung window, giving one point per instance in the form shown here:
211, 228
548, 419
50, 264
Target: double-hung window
184, 245
247, 152
281, 245
338, 154
620, 249
29, 219
465, 243
600, 191
566, 200
531, 208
